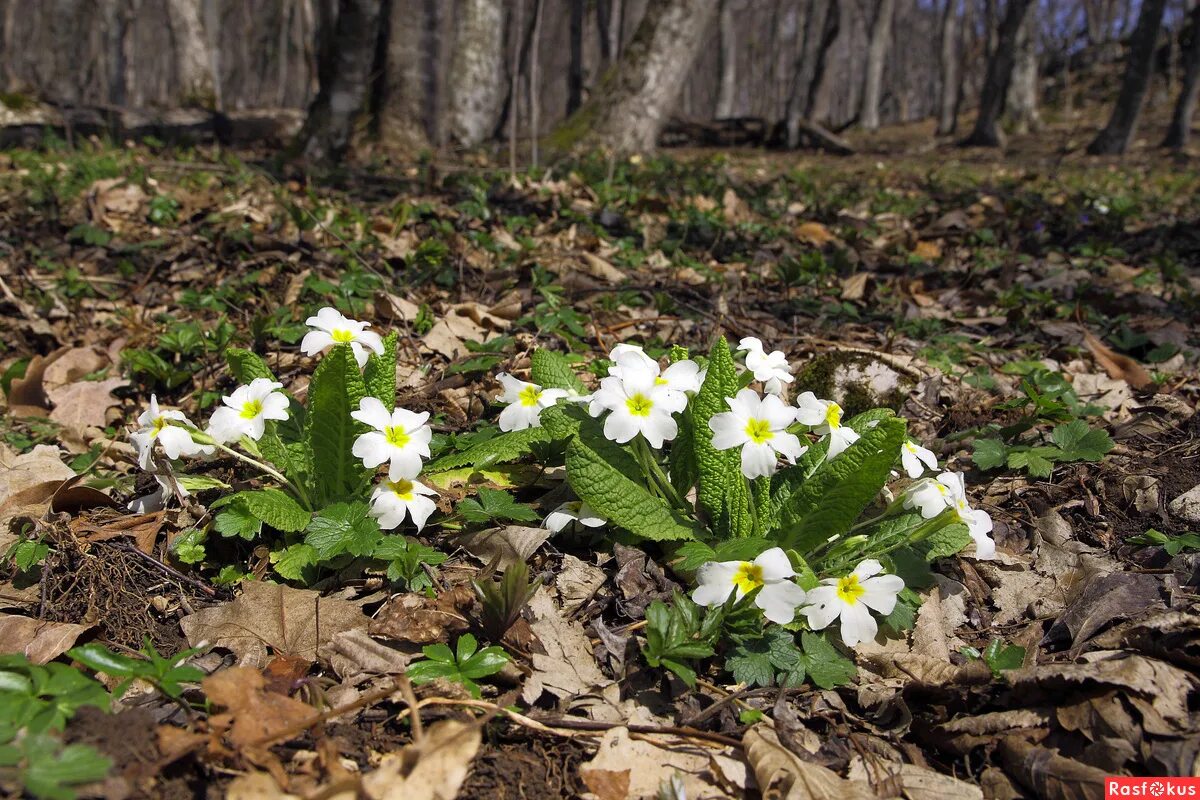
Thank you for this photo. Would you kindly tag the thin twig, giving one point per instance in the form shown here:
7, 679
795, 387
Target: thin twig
168, 569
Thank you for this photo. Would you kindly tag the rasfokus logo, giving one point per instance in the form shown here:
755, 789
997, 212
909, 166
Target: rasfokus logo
1151, 787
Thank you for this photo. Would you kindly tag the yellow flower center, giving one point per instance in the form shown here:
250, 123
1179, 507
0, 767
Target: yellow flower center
942, 490
748, 577
159, 424
639, 405
529, 396
961, 508
849, 590
759, 431
402, 489
396, 436
910, 447
251, 409
833, 416
342, 336
660, 381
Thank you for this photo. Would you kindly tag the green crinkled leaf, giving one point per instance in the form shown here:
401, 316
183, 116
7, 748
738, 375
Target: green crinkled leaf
275, 508
1037, 461
343, 528
989, 453
246, 365
1080, 442
552, 370
495, 505
292, 562
604, 486
379, 375
335, 390
237, 520
497, 450
825, 664
721, 489
563, 420
830, 501
944, 542
682, 460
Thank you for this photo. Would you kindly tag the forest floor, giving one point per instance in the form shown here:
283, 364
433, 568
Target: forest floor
984, 299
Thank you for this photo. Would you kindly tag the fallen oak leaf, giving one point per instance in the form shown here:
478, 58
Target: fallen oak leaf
252, 712
432, 768
781, 773
40, 640
84, 404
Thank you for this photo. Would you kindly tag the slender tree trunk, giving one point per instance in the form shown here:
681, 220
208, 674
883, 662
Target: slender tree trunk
191, 52
881, 35
1185, 107
603, 28
575, 67
477, 79
948, 98
344, 73
630, 106
404, 101
1118, 133
821, 27
727, 91
999, 72
1022, 99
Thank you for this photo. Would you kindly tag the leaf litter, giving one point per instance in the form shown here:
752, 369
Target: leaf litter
926, 300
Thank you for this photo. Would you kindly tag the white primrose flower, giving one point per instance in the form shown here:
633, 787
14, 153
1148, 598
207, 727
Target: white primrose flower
771, 573
771, 369
246, 411
573, 511
637, 403
759, 427
155, 425
932, 497
915, 459
825, 416
393, 500
525, 403
400, 438
333, 328
853, 598
682, 376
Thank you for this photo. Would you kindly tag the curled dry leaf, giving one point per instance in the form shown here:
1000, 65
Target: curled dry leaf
780, 773
432, 768
636, 768
1117, 365
567, 668
251, 712
1048, 774
504, 546
413, 617
40, 640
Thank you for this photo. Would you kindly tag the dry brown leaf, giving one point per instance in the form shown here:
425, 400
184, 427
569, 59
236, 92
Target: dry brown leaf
1117, 365
577, 582
1049, 775
267, 615
927, 250
814, 233
39, 639
27, 394
567, 668
734, 208
354, 656
252, 713
911, 781
142, 528
72, 365
432, 769
647, 764
854, 287
84, 404
505, 546
413, 617
29, 480
256, 786
597, 267
782, 774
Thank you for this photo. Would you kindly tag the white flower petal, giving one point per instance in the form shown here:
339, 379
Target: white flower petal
373, 413
314, 342
779, 601
775, 565
758, 460
857, 625
879, 593
867, 568
824, 607
372, 448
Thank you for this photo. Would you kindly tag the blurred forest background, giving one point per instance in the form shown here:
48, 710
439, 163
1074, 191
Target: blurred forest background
411, 75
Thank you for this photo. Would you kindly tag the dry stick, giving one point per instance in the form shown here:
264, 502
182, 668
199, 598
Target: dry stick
297, 728
418, 727
168, 569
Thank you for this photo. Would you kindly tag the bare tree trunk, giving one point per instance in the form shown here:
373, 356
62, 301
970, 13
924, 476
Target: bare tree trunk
821, 28
630, 106
1022, 100
881, 35
575, 68
344, 73
948, 99
404, 101
1118, 133
534, 104
191, 52
727, 93
477, 78
999, 72
1185, 107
